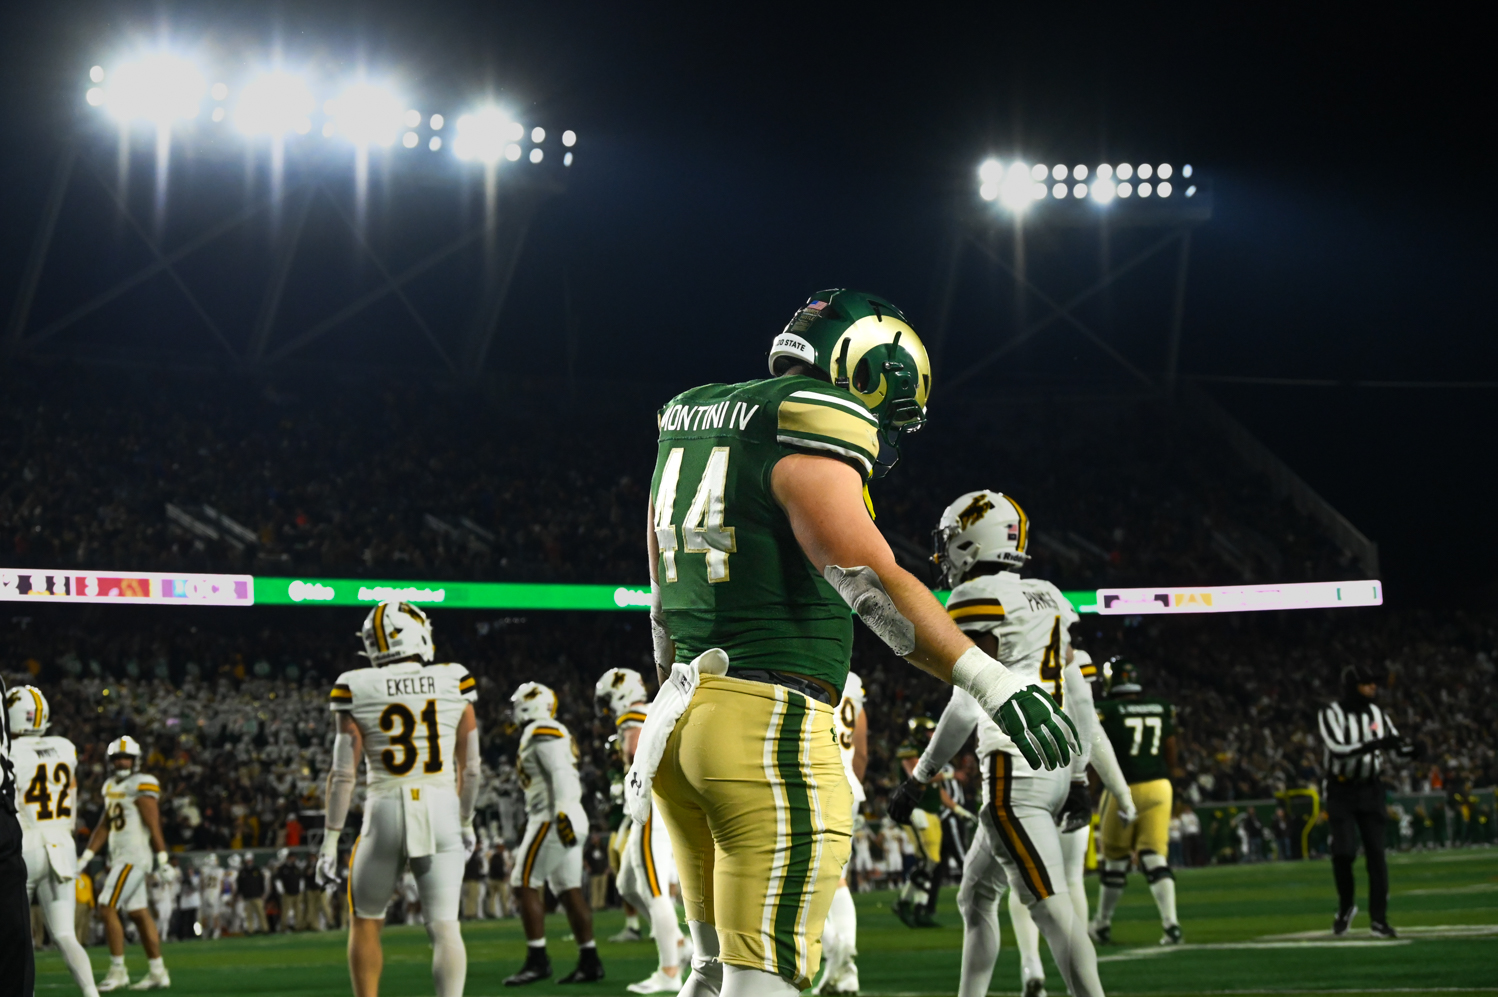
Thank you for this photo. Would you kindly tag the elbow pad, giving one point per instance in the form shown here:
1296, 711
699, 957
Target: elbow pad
862, 590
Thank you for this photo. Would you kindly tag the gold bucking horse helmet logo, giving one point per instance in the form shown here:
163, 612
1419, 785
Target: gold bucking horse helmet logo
979, 507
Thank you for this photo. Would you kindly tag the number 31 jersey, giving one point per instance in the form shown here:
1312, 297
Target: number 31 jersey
731, 571
408, 714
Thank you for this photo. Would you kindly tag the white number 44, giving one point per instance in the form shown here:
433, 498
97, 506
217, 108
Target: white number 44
702, 530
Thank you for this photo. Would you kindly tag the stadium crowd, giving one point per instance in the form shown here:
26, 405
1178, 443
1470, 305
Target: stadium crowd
343, 480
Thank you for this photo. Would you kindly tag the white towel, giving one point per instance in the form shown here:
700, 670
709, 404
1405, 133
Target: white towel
667, 707
421, 840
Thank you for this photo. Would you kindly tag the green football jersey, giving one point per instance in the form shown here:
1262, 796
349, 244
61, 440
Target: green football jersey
731, 572
1137, 729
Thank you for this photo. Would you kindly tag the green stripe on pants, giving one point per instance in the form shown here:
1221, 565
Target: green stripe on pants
798, 811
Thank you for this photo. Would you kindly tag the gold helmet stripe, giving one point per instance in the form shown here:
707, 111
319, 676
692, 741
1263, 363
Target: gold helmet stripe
40, 720
1024, 525
379, 626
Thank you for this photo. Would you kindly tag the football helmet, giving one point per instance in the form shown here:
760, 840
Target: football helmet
235, 861
394, 630
124, 747
863, 344
980, 526
619, 689
210, 861
533, 701
921, 729
28, 710
1120, 677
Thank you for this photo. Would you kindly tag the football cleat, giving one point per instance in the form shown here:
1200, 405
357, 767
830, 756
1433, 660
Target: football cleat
589, 968
154, 981
656, 983
1343, 920
1381, 929
537, 967
1035, 987
845, 984
628, 935
905, 913
1173, 935
118, 978
1100, 933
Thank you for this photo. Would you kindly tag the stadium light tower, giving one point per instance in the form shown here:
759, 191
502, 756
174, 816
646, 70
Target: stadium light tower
308, 122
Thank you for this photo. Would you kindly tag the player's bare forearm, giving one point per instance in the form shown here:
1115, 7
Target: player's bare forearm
101, 833
861, 744
150, 814
823, 498
628, 741
467, 723
652, 548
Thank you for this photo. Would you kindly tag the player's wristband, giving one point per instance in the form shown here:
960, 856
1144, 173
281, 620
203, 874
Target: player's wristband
85, 858
985, 679
162, 860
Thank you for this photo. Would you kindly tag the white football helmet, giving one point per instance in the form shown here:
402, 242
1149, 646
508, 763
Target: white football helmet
28, 710
618, 690
394, 630
980, 526
533, 701
235, 861
125, 746
211, 861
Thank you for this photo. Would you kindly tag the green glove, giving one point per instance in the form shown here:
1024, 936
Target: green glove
1044, 735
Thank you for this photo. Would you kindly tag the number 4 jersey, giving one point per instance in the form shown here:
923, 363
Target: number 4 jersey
45, 785
1137, 728
408, 714
1030, 618
731, 571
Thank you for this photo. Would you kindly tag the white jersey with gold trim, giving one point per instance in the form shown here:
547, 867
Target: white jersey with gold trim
47, 793
1030, 617
129, 840
408, 714
547, 763
632, 717
848, 710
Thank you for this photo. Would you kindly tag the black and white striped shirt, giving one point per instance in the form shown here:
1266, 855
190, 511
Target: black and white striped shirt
1347, 736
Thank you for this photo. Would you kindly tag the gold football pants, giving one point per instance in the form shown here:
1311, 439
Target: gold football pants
753, 792
1149, 832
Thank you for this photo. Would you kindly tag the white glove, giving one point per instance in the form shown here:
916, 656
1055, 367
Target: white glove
327, 858
85, 858
470, 841
162, 860
1126, 812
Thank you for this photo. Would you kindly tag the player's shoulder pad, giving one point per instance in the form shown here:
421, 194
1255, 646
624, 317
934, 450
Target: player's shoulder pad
980, 600
341, 696
546, 729
144, 783
816, 417
633, 717
468, 686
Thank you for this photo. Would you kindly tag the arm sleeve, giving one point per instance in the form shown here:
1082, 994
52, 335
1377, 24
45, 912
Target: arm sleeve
561, 774
957, 722
472, 771
340, 782
1077, 693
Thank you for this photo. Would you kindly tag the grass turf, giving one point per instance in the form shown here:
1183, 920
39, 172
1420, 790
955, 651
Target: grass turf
1249, 929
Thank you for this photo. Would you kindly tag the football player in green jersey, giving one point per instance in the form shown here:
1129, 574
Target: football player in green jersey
1142, 730
762, 547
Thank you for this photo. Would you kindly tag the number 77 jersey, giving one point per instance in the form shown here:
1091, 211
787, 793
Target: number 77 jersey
408, 714
1137, 728
732, 574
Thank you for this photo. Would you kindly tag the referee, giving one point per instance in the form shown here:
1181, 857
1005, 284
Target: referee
16, 957
1355, 733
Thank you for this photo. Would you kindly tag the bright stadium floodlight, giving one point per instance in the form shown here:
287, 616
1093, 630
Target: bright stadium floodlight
1038, 172
1125, 189
569, 139
1163, 188
410, 139
367, 114
412, 119
1145, 190
1017, 193
992, 171
567, 161
96, 74
1080, 173
1103, 191
1058, 172
482, 135
1058, 191
1125, 171
94, 96
220, 91
536, 155
1146, 171
435, 144
160, 87
275, 103
538, 134
1165, 171
1105, 172
512, 152
437, 121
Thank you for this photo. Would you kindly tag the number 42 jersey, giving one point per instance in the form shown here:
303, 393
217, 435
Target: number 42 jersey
45, 790
408, 714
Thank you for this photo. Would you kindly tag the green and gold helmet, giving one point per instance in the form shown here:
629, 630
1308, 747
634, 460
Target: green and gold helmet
1120, 677
864, 344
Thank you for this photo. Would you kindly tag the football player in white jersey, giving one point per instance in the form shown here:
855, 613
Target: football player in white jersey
1024, 622
413, 723
556, 826
646, 864
131, 825
46, 790
840, 934
213, 896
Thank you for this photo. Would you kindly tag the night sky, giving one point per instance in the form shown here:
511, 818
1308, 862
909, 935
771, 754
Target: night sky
733, 160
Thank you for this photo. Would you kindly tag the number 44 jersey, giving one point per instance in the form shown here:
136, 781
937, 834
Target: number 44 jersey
732, 574
408, 713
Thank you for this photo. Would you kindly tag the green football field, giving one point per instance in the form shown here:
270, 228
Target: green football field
1249, 929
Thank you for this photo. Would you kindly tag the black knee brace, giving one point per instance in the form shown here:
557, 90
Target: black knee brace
1159, 872
1114, 877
